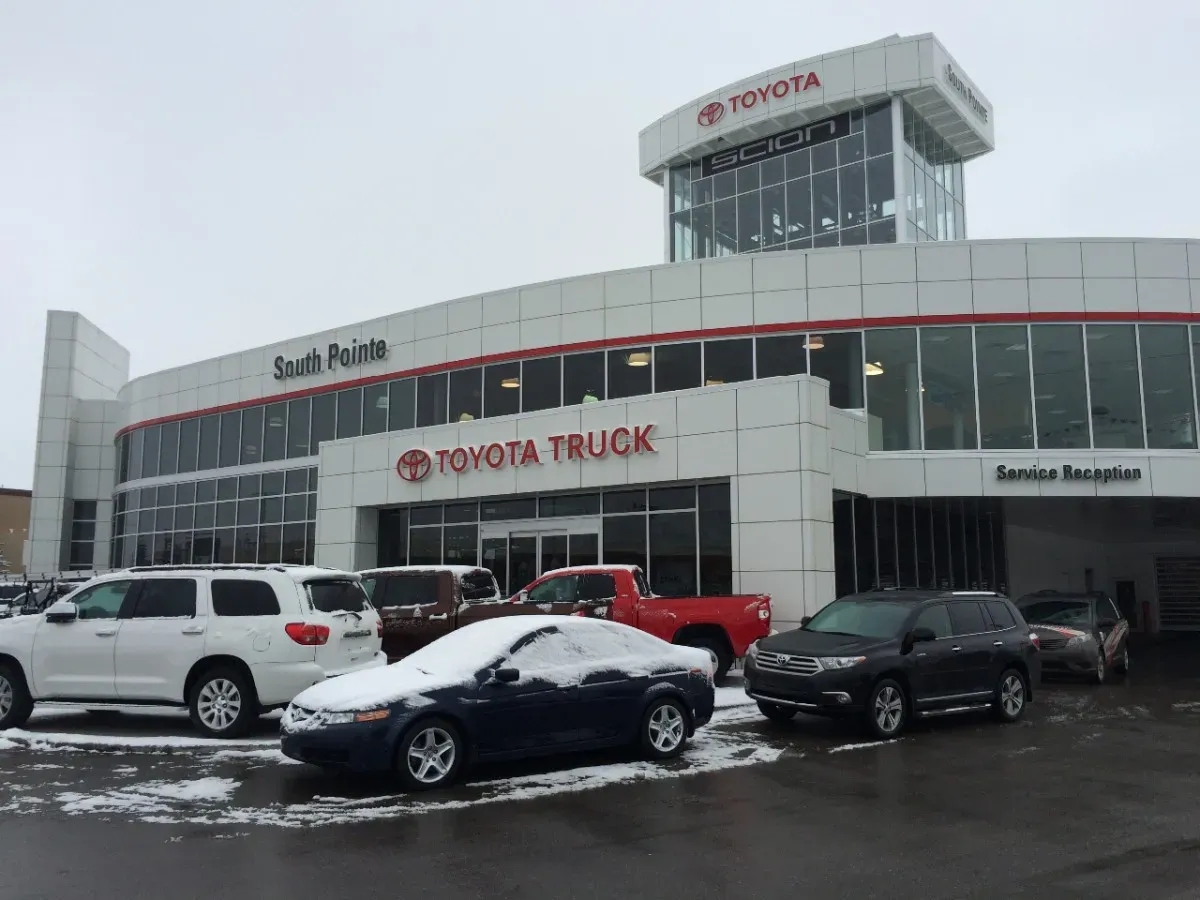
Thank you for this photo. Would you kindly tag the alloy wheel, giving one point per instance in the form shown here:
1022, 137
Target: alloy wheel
431, 755
666, 728
219, 704
6, 696
889, 709
1012, 695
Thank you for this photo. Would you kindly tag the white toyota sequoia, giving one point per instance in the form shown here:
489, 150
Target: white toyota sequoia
227, 642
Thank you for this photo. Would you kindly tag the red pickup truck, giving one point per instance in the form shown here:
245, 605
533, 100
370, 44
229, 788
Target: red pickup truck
724, 626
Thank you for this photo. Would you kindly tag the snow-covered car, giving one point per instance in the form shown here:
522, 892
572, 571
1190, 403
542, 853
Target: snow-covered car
226, 642
501, 689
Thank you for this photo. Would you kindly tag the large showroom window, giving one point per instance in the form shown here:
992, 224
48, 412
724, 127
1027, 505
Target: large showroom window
1059, 386
680, 535
948, 388
840, 192
919, 383
933, 173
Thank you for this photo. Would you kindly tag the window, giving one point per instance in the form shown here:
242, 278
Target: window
337, 595
967, 618
629, 372
189, 437
595, 586
676, 367
893, 389
150, 451
625, 540
298, 416
402, 404
252, 435
425, 546
1005, 407
461, 545
270, 543
324, 419
168, 454
553, 590
432, 400
1113, 376
782, 355
948, 385
166, 598
729, 361
274, 441
466, 395
548, 649
1059, 386
208, 454
231, 437
881, 188
1000, 615
837, 357
243, 597
501, 510
102, 601
478, 586
1167, 387
799, 201
570, 505
541, 383
349, 413
375, 409
424, 589
583, 378
502, 389
624, 501
673, 554
936, 619
716, 540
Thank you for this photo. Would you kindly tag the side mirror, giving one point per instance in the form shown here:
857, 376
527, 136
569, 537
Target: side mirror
922, 635
62, 611
805, 620
1107, 623
507, 675
520, 597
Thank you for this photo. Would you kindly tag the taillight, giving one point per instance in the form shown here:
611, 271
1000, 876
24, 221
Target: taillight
306, 634
579, 613
1037, 641
379, 628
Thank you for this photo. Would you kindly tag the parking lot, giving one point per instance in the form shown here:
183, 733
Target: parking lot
1093, 795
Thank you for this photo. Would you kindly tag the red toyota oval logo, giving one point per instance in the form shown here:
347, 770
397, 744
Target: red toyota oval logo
711, 114
414, 465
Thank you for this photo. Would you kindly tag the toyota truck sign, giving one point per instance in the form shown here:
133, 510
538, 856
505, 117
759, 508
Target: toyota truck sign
418, 463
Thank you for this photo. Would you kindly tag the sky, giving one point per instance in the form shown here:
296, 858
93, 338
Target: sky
203, 178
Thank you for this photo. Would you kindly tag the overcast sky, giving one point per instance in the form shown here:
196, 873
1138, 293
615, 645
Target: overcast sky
199, 178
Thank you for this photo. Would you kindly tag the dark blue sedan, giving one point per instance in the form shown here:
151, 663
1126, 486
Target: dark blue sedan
501, 689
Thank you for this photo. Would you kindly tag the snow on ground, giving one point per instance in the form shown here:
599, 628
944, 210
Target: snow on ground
19, 738
732, 696
149, 797
863, 746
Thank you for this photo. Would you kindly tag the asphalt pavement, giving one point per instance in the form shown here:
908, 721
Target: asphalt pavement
1094, 795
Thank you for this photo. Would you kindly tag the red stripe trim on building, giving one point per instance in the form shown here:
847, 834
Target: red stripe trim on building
676, 336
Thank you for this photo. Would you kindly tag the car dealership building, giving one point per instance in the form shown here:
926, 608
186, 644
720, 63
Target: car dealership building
827, 386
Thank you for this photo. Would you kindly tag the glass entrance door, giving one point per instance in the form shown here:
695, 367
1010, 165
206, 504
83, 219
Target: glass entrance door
517, 553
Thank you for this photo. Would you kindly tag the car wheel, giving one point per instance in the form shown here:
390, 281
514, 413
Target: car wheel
721, 659
222, 704
1101, 674
430, 755
1123, 666
887, 710
775, 712
1011, 694
16, 703
664, 729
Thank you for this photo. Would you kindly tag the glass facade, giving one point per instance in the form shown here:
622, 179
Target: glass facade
943, 543
837, 192
268, 517
933, 193
944, 387
679, 534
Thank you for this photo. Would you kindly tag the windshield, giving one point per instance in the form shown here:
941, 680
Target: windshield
861, 618
1056, 612
337, 595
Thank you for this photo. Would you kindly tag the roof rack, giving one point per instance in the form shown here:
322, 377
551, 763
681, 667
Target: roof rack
226, 567
975, 593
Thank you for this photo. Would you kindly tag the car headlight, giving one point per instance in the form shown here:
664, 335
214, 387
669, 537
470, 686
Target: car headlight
841, 662
1076, 640
347, 718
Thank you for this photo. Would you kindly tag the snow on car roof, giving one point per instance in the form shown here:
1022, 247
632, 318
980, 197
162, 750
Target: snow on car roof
596, 567
460, 571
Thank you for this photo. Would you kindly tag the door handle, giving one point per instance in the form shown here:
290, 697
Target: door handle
997, 643
194, 629
956, 649
105, 632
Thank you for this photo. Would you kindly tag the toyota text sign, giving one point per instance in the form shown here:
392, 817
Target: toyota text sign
418, 463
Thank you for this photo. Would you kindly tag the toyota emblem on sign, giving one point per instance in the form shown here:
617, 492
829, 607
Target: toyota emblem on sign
712, 113
414, 465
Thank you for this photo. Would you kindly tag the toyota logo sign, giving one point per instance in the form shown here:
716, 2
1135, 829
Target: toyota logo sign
414, 465
711, 114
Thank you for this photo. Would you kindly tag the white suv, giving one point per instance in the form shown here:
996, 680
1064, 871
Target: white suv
228, 642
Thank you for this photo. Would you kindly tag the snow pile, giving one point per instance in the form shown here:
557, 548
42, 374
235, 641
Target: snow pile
150, 797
